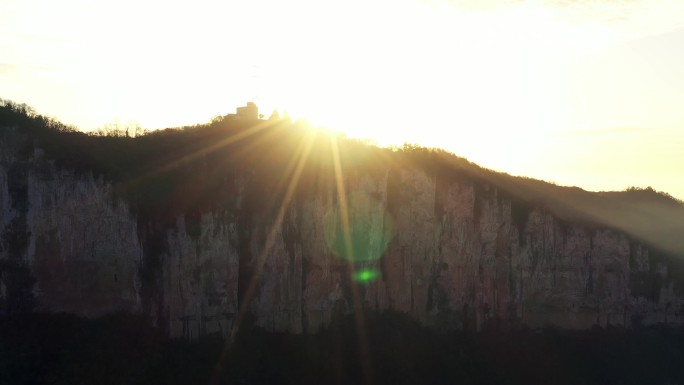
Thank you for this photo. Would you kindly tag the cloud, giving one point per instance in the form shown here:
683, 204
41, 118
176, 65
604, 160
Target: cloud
628, 19
32, 37
609, 131
6, 68
638, 13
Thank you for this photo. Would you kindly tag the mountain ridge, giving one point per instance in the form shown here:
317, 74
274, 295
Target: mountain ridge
154, 218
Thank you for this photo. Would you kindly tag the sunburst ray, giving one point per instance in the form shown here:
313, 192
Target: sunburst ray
301, 156
364, 353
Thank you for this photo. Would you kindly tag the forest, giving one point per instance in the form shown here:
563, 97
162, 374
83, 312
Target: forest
163, 172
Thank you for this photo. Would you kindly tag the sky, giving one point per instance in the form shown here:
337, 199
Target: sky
586, 92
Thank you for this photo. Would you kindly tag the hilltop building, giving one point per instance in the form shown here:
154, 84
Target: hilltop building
249, 112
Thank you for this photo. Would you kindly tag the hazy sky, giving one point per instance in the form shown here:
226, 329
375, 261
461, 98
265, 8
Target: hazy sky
584, 92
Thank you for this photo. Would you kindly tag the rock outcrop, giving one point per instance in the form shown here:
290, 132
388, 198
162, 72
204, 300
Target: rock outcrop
460, 253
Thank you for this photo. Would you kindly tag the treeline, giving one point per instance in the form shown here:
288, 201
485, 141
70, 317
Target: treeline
198, 168
393, 349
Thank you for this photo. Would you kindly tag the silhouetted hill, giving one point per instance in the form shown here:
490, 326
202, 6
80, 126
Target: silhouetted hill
158, 171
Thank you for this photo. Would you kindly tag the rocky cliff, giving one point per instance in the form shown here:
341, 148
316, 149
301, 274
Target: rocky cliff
452, 250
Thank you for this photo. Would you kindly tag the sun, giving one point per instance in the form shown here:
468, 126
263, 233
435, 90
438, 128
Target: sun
425, 72
439, 77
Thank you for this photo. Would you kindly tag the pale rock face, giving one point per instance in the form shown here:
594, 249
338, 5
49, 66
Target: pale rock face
83, 247
460, 255
200, 278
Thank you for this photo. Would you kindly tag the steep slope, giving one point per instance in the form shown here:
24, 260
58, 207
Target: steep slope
188, 226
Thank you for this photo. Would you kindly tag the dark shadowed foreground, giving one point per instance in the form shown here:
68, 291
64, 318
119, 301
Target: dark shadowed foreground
123, 349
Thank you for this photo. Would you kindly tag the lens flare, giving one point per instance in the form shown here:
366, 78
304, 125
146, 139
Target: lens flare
369, 229
365, 275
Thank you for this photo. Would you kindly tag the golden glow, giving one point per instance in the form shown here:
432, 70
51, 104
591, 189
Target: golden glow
495, 81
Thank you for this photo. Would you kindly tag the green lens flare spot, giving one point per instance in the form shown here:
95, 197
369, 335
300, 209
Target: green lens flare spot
365, 276
362, 232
